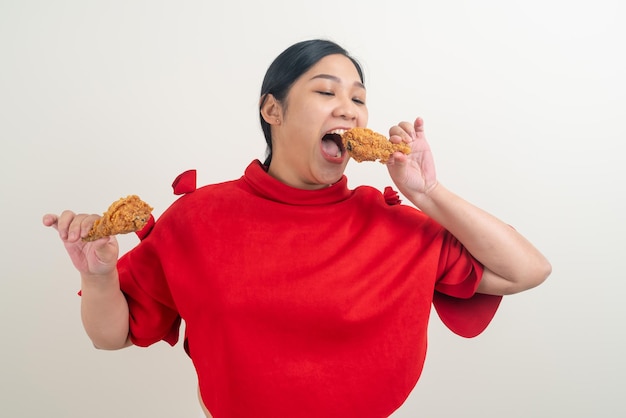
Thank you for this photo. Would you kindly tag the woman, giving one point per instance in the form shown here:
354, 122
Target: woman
300, 296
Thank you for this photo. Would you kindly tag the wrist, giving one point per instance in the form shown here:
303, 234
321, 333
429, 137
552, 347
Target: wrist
428, 198
99, 282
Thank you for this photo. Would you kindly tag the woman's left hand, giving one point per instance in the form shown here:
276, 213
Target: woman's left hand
413, 174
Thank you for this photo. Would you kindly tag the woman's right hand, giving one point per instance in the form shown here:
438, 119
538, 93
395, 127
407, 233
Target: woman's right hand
97, 258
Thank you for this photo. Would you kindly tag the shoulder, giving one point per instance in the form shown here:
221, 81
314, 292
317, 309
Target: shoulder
193, 200
389, 205
206, 197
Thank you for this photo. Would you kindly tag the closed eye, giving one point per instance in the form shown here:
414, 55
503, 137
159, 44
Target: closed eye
358, 101
326, 93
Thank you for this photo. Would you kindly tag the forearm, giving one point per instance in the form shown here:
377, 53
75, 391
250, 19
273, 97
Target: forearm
104, 311
514, 264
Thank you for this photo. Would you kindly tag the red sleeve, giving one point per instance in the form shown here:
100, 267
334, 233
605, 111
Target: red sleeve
460, 308
153, 314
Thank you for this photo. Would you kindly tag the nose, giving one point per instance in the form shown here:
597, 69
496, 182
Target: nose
346, 109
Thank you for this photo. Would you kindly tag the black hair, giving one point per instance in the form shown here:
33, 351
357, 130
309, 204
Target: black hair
288, 67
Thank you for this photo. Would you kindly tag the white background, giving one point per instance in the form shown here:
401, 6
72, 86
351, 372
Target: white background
524, 103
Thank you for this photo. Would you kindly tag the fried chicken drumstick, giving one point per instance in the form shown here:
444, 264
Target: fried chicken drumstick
363, 144
128, 214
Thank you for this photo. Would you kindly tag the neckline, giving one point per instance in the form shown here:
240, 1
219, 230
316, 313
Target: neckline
257, 178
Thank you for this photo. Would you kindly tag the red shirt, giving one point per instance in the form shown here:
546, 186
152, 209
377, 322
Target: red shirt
299, 303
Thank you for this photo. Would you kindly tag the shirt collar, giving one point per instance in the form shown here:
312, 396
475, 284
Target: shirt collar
267, 186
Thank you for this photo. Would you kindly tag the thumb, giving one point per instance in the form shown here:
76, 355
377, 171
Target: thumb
106, 250
397, 167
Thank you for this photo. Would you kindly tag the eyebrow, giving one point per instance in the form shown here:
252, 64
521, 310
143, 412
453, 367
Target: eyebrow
337, 80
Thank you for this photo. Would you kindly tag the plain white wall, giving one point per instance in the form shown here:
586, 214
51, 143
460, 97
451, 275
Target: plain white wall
524, 104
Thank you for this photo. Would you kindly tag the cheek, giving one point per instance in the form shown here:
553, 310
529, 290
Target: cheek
363, 117
315, 111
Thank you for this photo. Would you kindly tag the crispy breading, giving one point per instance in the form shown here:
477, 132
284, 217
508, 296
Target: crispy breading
363, 144
128, 214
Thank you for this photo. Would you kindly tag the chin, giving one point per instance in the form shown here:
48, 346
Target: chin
328, 176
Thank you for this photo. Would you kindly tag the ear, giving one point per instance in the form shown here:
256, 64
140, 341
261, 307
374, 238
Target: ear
271, 110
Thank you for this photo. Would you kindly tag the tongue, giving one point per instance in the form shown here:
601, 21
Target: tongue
330, 147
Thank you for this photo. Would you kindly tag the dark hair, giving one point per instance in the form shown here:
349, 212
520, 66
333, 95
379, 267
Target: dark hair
288, 67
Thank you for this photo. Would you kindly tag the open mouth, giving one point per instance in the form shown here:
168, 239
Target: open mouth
332, 145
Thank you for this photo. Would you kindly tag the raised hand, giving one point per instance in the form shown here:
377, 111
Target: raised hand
415, 173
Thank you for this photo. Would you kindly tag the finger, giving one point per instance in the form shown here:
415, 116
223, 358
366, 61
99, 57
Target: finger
397, 135
403, 130
87, 223
418, 125
407, 127
63, 223
50, 220
73, 226
399, 158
